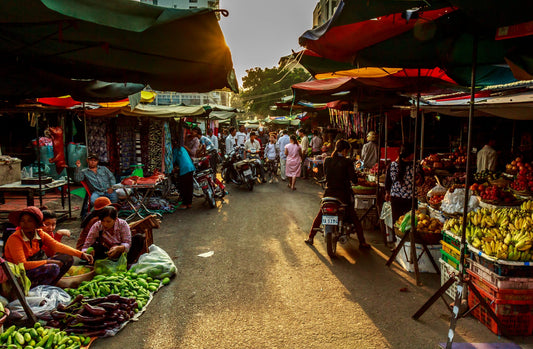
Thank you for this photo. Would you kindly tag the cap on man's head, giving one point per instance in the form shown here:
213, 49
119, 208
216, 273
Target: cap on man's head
35, 212
93, 156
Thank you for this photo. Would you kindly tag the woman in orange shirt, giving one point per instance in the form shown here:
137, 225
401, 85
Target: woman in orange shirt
26, 244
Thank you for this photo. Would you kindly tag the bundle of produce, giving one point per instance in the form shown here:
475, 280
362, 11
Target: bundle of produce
458, 180
96, 317
516, 166
422, 190
485, 176
39, 337
523, 182
424, 223
77, 270
436, 200
124, 284
458, 157
494, 194
503, 233
157, 264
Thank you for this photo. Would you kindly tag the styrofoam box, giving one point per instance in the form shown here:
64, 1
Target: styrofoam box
424, 264
363, 204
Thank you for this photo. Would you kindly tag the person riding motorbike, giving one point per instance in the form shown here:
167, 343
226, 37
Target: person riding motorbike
339, 172
252, 148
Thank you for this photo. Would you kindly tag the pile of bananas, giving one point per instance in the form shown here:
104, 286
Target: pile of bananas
503, 233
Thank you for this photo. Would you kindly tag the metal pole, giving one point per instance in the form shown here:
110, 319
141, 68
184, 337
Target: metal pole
467, 192
414, 199
386, 136
423, 134
513, 137
39, 161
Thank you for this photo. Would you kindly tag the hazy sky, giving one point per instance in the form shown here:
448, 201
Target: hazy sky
259, 32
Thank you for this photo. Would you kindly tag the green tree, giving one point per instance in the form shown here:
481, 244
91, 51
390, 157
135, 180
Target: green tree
263, 87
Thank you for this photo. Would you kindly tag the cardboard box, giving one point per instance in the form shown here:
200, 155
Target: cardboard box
10, 171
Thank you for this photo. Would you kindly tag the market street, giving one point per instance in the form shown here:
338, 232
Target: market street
265, 288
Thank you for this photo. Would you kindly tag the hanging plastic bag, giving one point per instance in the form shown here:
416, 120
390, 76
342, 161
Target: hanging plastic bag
406, 223
156, 263
108, 266
386, 214
42, 300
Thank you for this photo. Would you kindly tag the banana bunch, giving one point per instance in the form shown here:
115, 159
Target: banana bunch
527, 206
19, 273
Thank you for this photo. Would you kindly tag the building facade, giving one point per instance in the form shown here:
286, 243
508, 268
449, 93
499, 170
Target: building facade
323, 11
216, 97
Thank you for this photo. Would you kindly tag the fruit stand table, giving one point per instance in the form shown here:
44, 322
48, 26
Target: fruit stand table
138, 197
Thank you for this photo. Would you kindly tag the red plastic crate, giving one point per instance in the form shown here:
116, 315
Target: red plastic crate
515, 316
500, 293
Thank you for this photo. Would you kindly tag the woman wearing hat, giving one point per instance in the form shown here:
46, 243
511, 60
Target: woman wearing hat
370, 151
26, 244
91, 218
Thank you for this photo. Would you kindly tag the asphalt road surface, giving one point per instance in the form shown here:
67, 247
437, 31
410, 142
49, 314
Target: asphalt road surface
265, 288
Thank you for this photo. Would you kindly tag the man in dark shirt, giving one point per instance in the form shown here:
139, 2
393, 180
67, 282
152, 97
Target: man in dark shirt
339, 174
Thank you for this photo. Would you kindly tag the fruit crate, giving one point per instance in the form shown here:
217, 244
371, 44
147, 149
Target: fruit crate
501, 282
516, 316
451, 250
450, 260
500, 293
451, 239
446, 271
500, 267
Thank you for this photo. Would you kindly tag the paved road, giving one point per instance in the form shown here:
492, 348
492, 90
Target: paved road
265, 288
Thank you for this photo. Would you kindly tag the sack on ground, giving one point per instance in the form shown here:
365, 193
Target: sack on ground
156, 263
42, 300
108, 266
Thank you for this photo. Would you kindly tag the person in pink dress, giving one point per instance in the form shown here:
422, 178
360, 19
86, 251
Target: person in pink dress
294, 161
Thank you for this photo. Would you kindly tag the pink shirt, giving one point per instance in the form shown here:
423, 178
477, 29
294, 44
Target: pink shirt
120, 235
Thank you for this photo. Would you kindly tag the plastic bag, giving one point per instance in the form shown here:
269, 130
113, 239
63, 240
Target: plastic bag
386, 214
108, 266
453, 203
42, 300
437, 190
406, 223
156, 263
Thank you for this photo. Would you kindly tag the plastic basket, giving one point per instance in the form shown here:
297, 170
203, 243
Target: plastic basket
502, 268
515, 316
500, 293
451, 239
446, 271
451, 250
502, 282
450, 260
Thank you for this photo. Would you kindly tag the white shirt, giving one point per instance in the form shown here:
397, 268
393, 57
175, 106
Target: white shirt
271, 151
282, 142
230, 144
486, 159
214, 140
241, 138
254, 147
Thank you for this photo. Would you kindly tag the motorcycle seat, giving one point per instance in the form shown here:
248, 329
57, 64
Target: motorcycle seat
333, 200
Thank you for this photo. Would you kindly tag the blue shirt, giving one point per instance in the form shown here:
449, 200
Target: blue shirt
183, 161
207, 142
99, 182
282, 142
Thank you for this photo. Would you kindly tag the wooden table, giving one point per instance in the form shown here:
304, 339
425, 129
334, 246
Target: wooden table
32, 190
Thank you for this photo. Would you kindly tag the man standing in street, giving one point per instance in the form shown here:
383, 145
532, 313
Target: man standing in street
231, 140
99, 179
241, 136
370, 151
213, 138
282, 142
304, 144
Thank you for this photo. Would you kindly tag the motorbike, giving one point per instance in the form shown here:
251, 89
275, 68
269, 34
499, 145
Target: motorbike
238, 170
206, 184
334, 225
256, 166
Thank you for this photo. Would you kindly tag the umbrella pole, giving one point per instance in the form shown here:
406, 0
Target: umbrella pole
423, 134
460, 278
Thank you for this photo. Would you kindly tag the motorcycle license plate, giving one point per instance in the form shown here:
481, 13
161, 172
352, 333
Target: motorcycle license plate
247, 172
330, 220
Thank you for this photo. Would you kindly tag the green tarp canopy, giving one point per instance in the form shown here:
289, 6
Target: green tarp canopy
116, 41
157, 111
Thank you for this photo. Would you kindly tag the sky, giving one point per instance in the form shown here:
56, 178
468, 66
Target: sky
260, 32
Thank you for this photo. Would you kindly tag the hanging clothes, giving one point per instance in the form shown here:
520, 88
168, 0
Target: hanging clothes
169, 159
97, 139
145, 144
155, 149
126, 140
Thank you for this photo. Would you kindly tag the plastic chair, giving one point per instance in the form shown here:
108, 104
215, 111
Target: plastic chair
86, 206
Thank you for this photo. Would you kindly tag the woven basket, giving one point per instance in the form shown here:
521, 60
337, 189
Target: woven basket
74, 281
428, 238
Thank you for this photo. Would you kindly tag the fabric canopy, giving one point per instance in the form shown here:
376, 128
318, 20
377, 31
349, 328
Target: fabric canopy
222, 115
443, 41
69, 102
117, 41
158, 111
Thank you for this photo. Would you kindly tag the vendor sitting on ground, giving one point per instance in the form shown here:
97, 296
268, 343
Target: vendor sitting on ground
49, 226
91, 218
99, 179
111, 236
26, 244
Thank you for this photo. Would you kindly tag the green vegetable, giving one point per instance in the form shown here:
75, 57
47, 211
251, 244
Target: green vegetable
87, 341
27, 337
19, 338
165, 281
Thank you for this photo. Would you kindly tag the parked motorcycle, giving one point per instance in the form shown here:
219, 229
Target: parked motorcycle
237, 170
256, 166
204, 181
334, 225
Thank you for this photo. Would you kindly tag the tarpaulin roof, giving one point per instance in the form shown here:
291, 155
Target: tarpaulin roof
118, 41
222, 115
444, 41
69, 102
158, 111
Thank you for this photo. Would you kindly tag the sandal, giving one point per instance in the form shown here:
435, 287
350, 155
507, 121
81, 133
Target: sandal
183, 207
309, 241
364, 245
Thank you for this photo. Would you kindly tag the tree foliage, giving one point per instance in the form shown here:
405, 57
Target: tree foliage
263, 87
